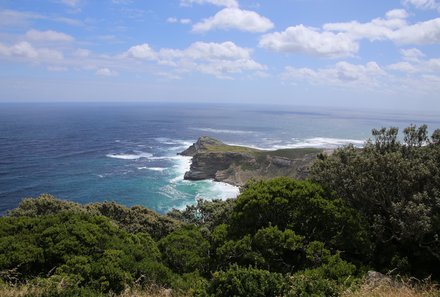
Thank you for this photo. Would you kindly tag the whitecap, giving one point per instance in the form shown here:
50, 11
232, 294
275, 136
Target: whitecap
325, 142
315, 142
165, 158
131, 156
218, 190
152, 168
183, 163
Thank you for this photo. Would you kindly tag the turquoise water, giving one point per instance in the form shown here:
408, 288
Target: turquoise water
128, 152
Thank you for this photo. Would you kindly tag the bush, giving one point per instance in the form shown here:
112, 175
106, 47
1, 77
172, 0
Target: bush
185, 250
396, 187
84, 249
303, 207
239, 281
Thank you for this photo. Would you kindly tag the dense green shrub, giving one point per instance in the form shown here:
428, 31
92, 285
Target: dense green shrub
88, 250
396, 187
303, 207
239, 281
185, 250
134, 219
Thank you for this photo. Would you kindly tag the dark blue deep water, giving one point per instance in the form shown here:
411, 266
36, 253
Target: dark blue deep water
127, 152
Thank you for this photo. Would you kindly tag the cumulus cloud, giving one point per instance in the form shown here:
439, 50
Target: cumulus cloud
106, 72
414, 61
25, 50
393, 27
142, 51
218, 59
225, 3
48, 35
301, 39
235, 18
342, 74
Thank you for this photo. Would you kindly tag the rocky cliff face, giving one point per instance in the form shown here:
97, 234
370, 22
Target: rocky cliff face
212, 159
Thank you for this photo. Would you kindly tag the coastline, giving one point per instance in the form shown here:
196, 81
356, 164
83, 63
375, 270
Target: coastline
214, 160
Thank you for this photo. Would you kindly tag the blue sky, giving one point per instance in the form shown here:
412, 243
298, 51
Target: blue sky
374, 54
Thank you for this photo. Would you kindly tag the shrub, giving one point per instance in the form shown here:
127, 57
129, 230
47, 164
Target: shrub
239, 281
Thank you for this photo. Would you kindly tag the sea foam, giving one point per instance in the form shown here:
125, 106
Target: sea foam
131, 156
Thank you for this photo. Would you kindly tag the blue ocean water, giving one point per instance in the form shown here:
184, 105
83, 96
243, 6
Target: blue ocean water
128, 152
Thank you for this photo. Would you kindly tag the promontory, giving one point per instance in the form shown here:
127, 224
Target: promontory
213, 159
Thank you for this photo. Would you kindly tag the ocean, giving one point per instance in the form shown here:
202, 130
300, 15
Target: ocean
127, 152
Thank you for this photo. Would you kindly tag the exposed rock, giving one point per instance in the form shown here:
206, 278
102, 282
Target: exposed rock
213, 159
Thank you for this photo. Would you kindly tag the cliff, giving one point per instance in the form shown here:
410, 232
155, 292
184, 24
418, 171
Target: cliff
213, 159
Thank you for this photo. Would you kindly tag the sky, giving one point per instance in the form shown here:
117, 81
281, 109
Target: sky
342, 53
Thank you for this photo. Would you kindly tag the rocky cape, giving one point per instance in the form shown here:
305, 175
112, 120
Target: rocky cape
213, 159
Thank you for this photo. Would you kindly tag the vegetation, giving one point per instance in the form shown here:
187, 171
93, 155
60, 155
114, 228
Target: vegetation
375, 208
395, 187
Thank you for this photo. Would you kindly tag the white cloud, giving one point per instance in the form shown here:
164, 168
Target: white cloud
414, 62
427, 32
209, 51
235, 18
377, 29
15, 18
218, 59
403, 67
174, 20
343, 74
300, 39
412, 54
25, 50
423, 4
71, 3
106, 72
394, 27
225, 3
48, 35
185, 21
142, 51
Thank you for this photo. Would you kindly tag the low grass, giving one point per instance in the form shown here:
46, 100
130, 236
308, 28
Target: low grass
231, 148
394, 289
293, 153
35, 291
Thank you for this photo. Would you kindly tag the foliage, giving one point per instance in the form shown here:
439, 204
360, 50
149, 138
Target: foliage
185, 250
301, 206
82, 249
241, 281
396, 187
45, 204
134, 219
208, 214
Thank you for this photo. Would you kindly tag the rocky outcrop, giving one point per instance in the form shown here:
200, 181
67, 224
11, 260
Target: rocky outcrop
213, 159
